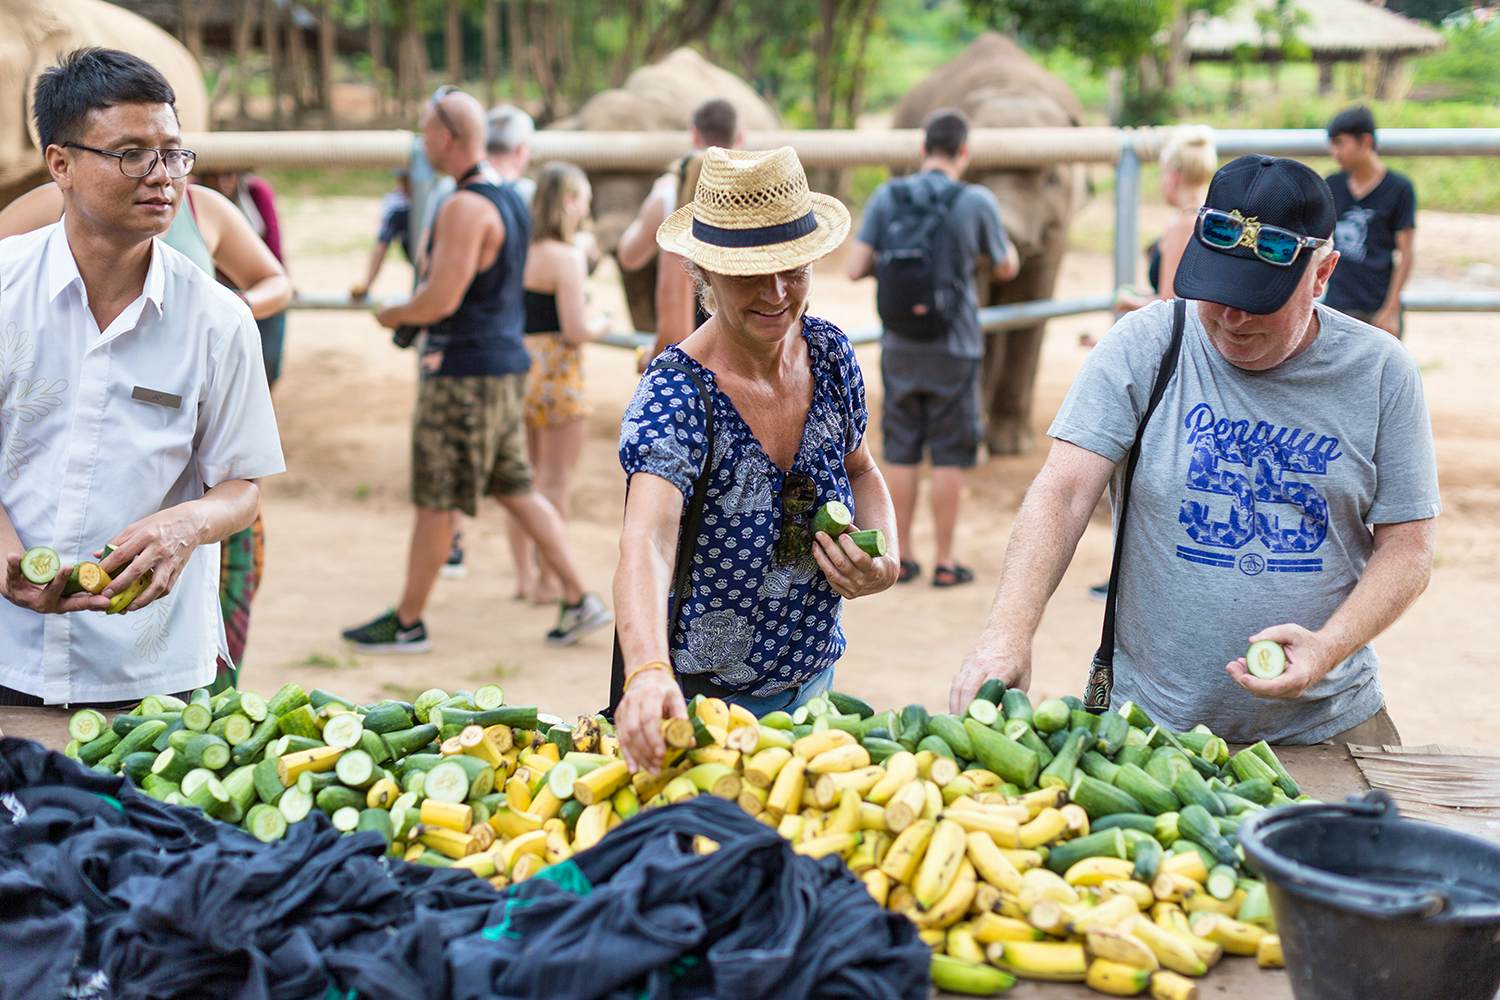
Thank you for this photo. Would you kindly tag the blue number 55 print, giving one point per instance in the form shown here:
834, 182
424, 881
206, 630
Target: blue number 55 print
1248, 464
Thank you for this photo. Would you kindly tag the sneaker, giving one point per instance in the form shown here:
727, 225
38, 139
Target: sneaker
1100, 591
454, 568
578, 620
386, 635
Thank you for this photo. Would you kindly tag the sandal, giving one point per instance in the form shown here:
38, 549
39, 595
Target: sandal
909, 571
952, 576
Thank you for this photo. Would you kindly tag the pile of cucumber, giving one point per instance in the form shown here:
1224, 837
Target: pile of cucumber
1146, 789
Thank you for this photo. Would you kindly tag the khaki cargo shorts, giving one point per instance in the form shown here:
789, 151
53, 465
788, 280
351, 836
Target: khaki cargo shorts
468, 441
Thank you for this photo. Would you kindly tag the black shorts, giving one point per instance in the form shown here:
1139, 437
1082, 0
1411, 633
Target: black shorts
931, 405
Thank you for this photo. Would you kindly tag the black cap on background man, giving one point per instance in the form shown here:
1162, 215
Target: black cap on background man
1270, 190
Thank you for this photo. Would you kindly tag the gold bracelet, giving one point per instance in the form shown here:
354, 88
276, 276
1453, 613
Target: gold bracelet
653, 665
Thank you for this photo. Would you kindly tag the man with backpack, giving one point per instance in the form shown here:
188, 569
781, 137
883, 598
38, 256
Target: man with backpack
921, 238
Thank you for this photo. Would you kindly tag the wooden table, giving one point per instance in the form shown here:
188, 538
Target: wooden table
1324, 772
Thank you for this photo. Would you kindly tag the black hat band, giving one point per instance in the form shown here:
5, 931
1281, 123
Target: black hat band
760, 236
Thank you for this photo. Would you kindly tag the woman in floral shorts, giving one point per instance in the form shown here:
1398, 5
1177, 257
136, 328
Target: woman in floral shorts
558, 324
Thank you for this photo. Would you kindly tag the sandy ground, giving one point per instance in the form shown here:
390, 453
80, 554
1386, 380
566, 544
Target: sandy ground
338, 521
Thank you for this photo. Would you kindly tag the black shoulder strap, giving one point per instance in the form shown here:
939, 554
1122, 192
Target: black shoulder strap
1102, 670
687, 536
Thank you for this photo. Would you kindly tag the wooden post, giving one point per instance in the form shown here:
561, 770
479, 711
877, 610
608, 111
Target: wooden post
270, 39
1325, 77
516, 46
190, 27
327, 60
296, 63
492, 52
453, 36
244, 29
375, 11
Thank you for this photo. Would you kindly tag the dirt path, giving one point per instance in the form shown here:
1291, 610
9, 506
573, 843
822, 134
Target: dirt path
338, 522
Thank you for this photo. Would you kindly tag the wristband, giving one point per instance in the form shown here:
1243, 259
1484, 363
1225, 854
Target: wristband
653, 665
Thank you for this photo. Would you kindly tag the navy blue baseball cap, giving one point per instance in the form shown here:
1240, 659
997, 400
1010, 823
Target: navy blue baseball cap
1276, 192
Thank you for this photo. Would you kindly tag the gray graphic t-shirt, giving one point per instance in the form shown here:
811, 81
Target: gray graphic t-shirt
1252, 506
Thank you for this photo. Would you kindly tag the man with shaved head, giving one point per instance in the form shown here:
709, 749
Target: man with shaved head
467, 438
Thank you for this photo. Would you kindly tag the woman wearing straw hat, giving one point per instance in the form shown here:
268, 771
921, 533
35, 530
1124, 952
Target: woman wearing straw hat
734, 438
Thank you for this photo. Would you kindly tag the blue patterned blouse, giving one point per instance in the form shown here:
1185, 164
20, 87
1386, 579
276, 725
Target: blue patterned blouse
758, 626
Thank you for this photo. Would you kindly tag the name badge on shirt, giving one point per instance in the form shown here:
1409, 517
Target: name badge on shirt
157, 397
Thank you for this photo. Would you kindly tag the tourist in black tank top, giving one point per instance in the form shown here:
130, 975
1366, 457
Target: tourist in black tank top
467, 437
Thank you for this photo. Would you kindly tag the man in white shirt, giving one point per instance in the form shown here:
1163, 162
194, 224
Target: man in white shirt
134, 409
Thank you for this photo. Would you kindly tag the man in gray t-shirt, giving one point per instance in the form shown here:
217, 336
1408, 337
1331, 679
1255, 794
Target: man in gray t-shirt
931, 371
1285, 489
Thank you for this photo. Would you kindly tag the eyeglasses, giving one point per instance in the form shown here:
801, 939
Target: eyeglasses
1219, 230
799, 495
140, 162
437, 106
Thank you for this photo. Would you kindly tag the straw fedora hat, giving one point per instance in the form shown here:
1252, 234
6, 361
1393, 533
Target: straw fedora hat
753, 214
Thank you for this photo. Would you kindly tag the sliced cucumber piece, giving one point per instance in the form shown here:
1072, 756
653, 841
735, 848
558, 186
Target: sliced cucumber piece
560, 779
833, 519
983, 712
85, 725
1266, 659
355, 768
265, 823
448, 782
343, 730
294, 805
345, 819
488, 696
40, 565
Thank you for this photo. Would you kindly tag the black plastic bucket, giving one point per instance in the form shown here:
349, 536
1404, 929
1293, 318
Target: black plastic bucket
1371, 906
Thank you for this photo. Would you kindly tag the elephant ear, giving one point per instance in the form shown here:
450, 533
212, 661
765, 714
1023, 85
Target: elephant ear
991, 62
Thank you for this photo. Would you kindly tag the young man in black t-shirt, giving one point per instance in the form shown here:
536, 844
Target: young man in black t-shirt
1376, 231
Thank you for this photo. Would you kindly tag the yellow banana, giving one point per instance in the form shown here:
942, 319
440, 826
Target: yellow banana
814, 744
844, 819
842, 758
1110, 914
762, 768
900, 768
1268, 952
982, 778
1002, 830
962, 946
1042, 883
1176, 922
1200, 900
1096, 871
959, 787
1170, 986
713, 712
988, 928
871, 816
986, 897
1078, 820
878, 884
739, 716
715, 754
906, 805
1023, 858
752, 800
905, 853
954, 904
1188, 864
955, 975
1233, 936
939, 867
862, 858
1138, 892
933, 937
1050, 961
830, 843
786, 791
827, 788
791, 826
592, 825
1117, 946
1170, 950
1049, 916
1116, 978
933, 804
1172, 888
1048, 825
991, 864
1042, 798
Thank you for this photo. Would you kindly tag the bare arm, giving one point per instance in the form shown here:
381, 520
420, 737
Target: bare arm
648, 557
1399, 569
1389, 316
41, 206
572, 305
638, 242
460, 228
861, 260
1006, 269
377, 260
674, 303
1043, 539
241, 254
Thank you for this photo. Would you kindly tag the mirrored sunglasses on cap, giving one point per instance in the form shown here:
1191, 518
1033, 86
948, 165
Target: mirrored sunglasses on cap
1220, 230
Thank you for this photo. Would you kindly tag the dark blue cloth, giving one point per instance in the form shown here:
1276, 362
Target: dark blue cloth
1365, 237
484, 335
756, 625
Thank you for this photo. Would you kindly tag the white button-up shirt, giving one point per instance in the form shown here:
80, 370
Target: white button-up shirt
101, 428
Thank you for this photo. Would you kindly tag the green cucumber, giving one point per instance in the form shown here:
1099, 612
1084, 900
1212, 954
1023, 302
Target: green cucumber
1099, 799
336, 797
294, 805
268, 784
1147, 857
1155, 796
777, 720
1102, 844
387, 717
1194, 823
1166, 829
86, 725
951, 729
1020, 731
290, 696
426, 701
1095, 766
419, 762
265, 731
1264, 752
265, 823
171, 766
199, 712
137, 765
317, 698
343, 730
1138, 755
40, 565
239, 786
1016, 705
995, 752
98, 748
1257, 790
832, 519
913, 725
1191, 789
1185, 846
372, 744
376, 821
204, 750
141, 737
488, 696
313, 782
249, 704
355, 768
123, 724
880, 749
1222, 882
983, 711
1051, 715
1126, 821
1058, 773
1135, 716
515, 716
233, 729
847, 704
1265, 659
1255, 908
871, 542
937, 745
1057, 739
992, 690
1110, 729
404, 742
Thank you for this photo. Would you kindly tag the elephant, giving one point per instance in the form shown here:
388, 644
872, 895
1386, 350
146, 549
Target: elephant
660, 97
997, 85
43, 30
